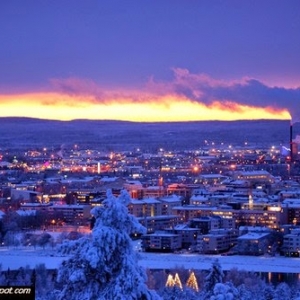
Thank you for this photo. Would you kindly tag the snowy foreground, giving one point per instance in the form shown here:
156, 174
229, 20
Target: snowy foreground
16, 258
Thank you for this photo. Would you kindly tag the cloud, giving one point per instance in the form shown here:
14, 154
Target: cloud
77, 87
231, 95
247, 91
90, 91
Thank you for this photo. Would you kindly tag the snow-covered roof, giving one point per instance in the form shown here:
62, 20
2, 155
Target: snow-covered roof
164, 234
153, 187
224, 206
253, 236
195, 207
212, 176
135, 201
144, 201
185, 228
26, 213
69, 206
239, 182
199, 198
108, 179
254, 229
256, 172
35, 204
291, 202
161, 217
180, 226
150, 201
171, 199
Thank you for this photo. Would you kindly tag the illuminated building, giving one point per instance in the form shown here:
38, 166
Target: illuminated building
291, 243
211, 179
73, 214
271, 217
188, 235
161, 241
154, 191
134, 188
25, 195
253, 243
168, 203
153, 224
184, 190
259, 176
148, 207
217, 241
292, 206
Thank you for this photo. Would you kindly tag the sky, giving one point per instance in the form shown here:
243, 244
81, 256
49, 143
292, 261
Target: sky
158, 60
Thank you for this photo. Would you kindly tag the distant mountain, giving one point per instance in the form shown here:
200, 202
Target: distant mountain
21, 133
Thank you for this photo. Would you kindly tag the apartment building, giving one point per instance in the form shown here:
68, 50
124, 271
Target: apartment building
253, 243
161, 241
217, 241
291, 243
147, 207
155, 223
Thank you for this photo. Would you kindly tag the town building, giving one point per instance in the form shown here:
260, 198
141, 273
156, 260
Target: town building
291, 243
161, 241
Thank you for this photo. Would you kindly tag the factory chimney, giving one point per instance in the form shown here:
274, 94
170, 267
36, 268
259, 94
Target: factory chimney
291, 142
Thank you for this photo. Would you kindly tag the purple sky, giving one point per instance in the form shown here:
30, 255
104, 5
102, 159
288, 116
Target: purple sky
129, 43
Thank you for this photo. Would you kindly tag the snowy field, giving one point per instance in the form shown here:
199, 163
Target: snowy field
204, 262
16, 258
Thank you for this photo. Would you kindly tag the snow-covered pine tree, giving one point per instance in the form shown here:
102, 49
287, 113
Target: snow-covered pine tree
104, 265
283, 292
2, 276
224, 292
214, 276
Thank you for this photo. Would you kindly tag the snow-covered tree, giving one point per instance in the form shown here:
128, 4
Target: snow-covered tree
283, 292
23, 276
104, 264
214, 276
172, 293
236, 277
43, 239
267, 291
3, 280
41, 280
224, 292
244, 293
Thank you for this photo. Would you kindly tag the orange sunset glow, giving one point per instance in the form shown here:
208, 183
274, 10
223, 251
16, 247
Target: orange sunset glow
64, 107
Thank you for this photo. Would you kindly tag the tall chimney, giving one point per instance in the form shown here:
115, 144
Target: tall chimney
291, 142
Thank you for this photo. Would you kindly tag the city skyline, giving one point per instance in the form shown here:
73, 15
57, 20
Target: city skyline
150, 61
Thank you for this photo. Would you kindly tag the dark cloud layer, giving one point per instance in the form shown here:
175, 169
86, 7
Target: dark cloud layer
248, 91
194, 87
